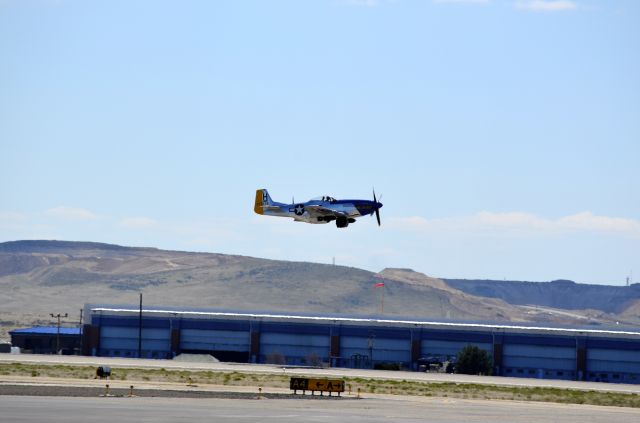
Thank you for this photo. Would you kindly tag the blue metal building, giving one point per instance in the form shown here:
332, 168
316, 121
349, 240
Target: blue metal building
522, 351
46, 339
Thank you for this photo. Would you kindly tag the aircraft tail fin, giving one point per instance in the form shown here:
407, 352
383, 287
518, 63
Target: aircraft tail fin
263, 200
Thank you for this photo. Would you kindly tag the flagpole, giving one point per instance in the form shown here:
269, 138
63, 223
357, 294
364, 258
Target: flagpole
380, 285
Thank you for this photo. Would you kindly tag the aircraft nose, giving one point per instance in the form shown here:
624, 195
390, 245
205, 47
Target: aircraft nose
378, 205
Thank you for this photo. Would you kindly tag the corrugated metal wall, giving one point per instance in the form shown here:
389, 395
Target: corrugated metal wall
449, 348
613, 365
521, 355
354, 348
539, 361
294, 348
214, 340
122, 341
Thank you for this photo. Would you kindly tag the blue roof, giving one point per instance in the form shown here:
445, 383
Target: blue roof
46, 330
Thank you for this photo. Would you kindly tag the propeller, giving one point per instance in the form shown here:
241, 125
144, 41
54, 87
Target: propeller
377, 208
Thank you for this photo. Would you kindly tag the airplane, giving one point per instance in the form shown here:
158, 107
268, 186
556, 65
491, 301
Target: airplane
322, 209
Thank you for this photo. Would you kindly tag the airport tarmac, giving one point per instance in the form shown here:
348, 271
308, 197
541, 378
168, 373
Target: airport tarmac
324, 372
25, 409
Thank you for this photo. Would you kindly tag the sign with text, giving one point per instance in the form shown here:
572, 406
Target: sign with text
323, 385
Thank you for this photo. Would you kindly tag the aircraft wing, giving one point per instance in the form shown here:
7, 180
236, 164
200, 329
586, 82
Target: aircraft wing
316, 211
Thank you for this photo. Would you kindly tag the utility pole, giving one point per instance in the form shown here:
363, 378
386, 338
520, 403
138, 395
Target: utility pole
371, 341
140, 329
58, 316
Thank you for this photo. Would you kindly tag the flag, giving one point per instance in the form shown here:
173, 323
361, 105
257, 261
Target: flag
379, 285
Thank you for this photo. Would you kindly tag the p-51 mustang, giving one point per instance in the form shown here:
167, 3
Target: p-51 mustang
318, 210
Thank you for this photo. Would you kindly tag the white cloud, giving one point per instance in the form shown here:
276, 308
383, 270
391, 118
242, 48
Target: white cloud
71, 213
520, 223
589, 221
546, 5
137, 222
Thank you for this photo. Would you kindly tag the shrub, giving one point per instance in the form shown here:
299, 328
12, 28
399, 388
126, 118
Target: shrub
386, 366
473, 361
313, 360
275, 358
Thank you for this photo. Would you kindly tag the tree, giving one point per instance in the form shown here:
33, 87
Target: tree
474, 361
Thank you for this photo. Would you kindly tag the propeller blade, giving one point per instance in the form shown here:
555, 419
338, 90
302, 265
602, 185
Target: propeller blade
377, 210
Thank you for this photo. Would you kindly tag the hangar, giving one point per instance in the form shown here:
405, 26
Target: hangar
47, 339
520, 351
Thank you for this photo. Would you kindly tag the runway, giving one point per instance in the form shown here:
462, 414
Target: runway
328, 372
432, 410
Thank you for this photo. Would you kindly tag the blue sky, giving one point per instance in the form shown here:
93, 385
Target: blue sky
504, 136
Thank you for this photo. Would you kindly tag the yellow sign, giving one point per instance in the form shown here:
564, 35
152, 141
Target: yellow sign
326, 385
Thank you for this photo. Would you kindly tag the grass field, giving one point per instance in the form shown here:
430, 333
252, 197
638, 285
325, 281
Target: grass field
376, 386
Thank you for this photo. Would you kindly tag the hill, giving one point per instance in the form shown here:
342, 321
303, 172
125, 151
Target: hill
558, 294
42, 277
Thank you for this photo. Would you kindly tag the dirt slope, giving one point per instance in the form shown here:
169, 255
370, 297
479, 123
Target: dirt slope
42, 277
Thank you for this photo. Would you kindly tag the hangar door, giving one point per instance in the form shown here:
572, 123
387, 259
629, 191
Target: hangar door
612, 365
442, 348
539, 361
353, 349
294, 348
225, 345
118, 341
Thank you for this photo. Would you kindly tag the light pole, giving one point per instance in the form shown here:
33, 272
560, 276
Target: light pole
58, 332
370, 342
140, 329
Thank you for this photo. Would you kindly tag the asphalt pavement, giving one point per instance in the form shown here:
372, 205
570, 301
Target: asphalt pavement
25, 409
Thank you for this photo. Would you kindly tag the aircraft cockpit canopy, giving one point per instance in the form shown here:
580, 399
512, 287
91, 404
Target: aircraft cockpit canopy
324, 198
